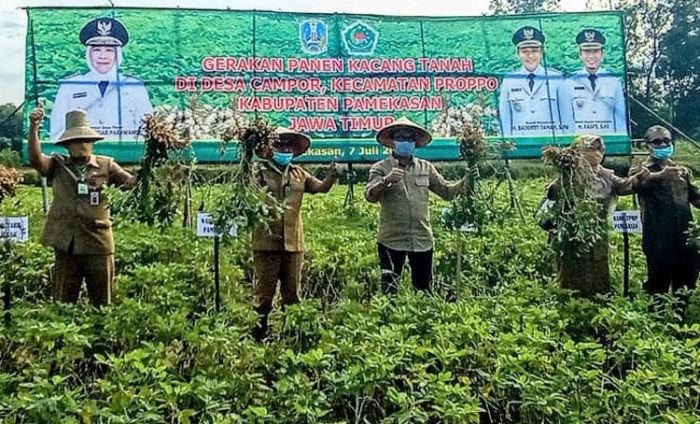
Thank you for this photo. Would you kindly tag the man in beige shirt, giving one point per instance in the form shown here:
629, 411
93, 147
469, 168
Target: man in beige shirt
401, 183
78, 226
278, 251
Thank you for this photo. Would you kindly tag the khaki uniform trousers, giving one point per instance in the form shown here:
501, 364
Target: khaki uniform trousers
70, 270
271, 267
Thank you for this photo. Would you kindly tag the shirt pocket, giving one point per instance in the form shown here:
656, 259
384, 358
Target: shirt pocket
606, 95
548, 97
517, 101
423, 180
97, 179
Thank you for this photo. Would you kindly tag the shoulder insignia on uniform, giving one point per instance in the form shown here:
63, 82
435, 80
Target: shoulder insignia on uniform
69, 77
129, 78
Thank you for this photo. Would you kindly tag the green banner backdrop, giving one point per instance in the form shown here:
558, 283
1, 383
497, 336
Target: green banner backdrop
336, 77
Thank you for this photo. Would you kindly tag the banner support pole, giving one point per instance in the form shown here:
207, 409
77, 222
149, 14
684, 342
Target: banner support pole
217, 294
6, 289
350, 196
626, 264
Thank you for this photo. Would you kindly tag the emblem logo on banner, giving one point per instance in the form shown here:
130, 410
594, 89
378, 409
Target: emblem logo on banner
360, 38
313, 34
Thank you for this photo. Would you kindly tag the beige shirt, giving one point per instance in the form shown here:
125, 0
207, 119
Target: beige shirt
82, 220
285, 234
404, 222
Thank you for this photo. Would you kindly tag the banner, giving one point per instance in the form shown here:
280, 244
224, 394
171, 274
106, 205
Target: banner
530, 80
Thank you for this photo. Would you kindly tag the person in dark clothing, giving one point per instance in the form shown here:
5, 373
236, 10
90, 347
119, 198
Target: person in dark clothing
665, 194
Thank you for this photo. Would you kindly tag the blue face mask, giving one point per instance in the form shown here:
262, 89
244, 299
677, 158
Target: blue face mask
404, 147
662, 153
281, 158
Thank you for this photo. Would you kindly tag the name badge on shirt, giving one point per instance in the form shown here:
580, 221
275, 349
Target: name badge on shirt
82, 188
94, 198
80, 95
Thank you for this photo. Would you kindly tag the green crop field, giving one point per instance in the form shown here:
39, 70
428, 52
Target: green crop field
504, 346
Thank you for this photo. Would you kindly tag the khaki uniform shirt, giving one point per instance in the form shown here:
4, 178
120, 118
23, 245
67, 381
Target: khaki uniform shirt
81, 221
285, 234
404, 222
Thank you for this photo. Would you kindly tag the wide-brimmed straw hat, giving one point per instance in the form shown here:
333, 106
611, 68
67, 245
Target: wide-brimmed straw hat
78, 129
385, 136
300, 142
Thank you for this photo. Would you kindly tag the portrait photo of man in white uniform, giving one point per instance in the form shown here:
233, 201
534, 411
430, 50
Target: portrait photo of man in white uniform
115, 103
592, 99
528, 102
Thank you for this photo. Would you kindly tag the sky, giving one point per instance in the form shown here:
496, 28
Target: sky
13, 21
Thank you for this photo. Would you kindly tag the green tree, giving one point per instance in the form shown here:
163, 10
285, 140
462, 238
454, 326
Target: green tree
10, 126
502, 7
646, 22
679, 66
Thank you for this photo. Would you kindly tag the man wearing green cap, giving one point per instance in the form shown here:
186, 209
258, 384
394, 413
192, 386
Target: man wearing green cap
278, 251
78, 225
401, 184
665, 197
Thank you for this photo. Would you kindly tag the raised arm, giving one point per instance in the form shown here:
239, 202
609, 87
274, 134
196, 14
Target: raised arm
119, 176
314, 185
39, 161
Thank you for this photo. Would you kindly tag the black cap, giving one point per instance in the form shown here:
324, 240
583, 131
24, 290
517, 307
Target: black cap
104, 32
590, 39
528, 36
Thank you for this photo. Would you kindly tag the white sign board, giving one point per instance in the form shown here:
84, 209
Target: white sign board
205, 226
466, 228
627, 222
14, 228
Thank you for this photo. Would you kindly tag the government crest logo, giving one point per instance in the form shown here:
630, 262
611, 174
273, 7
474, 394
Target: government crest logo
313, 34
360, 39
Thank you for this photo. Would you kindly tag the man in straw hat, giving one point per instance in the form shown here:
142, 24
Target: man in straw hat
401, 183
278, 251
665, 197
78, 225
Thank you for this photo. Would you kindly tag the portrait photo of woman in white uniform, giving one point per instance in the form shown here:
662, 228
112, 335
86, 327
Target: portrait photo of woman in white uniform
115, 103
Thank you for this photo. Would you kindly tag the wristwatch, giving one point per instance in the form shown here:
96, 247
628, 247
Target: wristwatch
386, 184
